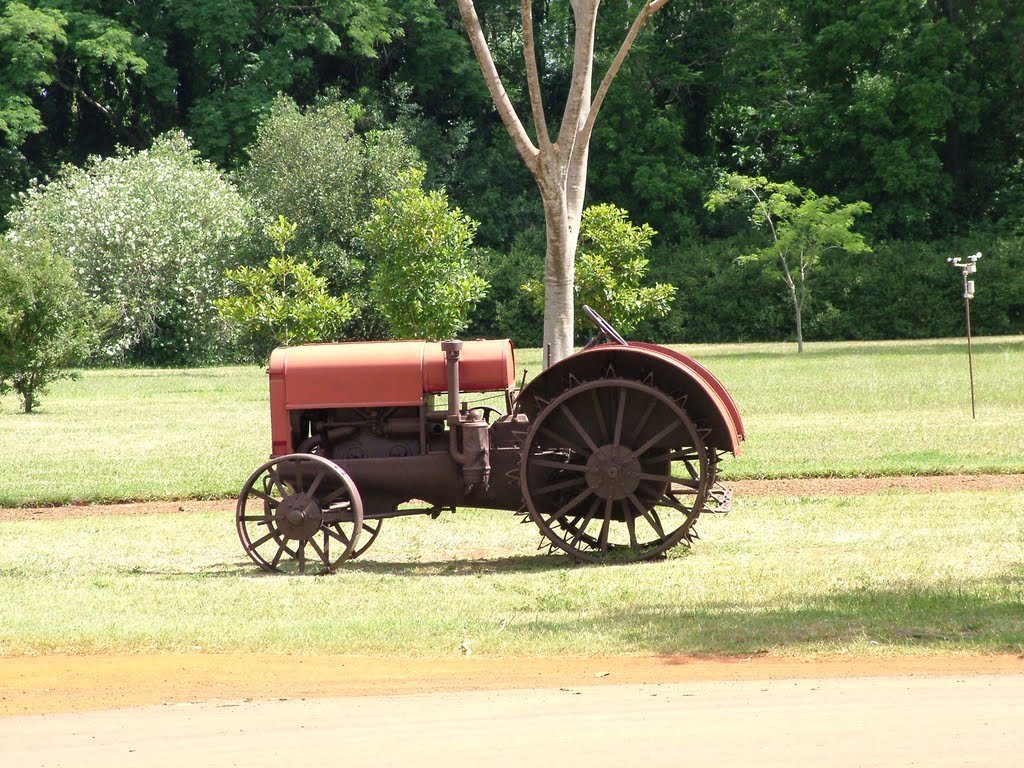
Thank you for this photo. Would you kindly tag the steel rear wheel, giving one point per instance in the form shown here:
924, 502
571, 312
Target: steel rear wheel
614, 470
299, 513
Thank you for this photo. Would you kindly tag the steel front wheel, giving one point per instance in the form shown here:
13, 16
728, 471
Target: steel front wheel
299, 513
614, 470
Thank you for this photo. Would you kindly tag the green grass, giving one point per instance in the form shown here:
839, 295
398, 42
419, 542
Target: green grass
875, 408
842, 409
882, 574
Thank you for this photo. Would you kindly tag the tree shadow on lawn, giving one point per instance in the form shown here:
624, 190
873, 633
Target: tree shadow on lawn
933, 618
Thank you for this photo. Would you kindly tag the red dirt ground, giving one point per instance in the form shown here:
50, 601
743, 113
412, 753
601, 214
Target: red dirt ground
40, 684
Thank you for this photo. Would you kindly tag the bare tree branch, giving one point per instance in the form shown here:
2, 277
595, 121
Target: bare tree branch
646, 12
532, 77
508, 114
585, 13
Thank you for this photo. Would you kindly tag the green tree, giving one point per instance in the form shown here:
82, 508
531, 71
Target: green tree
149, 234
316, 168
425, 283
285, 302
234, 56
47, 326
802, 226
29, 39
610, 266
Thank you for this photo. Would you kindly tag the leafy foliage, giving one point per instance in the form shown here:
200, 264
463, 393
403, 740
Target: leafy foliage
425, 283
285, 302
149, 235
610, 266
29, 38
316, 168
46, 324
803, 226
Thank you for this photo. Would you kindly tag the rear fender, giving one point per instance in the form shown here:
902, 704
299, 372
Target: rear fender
704, 398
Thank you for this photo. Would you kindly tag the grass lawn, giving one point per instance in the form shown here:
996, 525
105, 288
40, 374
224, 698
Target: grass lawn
882, 574
840, 409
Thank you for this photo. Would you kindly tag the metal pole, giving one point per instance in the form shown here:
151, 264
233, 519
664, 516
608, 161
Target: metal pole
968, 267
970, 352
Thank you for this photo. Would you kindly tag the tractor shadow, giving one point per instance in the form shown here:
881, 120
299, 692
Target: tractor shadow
456, 567
460, 567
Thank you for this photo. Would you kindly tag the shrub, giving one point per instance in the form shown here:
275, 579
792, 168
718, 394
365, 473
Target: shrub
320, 171
425, 283
46, 323
610, 264
285, 302
149, 235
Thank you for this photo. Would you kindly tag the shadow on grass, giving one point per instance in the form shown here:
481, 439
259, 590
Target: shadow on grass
417, 569
931, 618
510, 564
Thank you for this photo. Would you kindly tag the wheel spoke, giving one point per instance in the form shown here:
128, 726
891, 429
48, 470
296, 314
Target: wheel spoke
261, 519
280, 551
299, 479
688, 481
599, 414
336, 533
257, 544
550, 464
631, 527
558, 486
561, 441
575, 502
676, 454
276, 480
602, 540
316, 482
302, 555
320, 553
662, 434
650, 515
668, 500
266, 497
642, 423
587, 519
617, 437
579, 428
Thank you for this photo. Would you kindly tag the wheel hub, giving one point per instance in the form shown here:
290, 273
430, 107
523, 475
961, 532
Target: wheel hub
613, 472
298, 517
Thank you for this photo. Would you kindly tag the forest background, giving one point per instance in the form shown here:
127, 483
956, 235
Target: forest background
914, 106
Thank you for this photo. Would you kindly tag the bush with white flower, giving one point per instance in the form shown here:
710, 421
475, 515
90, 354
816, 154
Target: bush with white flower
149, 235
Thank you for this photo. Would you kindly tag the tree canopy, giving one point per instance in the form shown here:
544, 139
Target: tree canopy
914, 108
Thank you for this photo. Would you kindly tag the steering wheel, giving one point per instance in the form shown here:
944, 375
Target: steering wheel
604, 328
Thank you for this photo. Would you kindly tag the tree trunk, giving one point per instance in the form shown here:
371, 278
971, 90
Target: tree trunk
799, 325
797, 303
559, 167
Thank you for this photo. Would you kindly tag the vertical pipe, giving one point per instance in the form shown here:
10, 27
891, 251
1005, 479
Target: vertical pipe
970, 351
452, 351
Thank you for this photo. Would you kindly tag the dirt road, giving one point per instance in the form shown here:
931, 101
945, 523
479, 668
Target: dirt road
894, 721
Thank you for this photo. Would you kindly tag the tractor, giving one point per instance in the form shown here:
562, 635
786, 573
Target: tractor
612, 452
